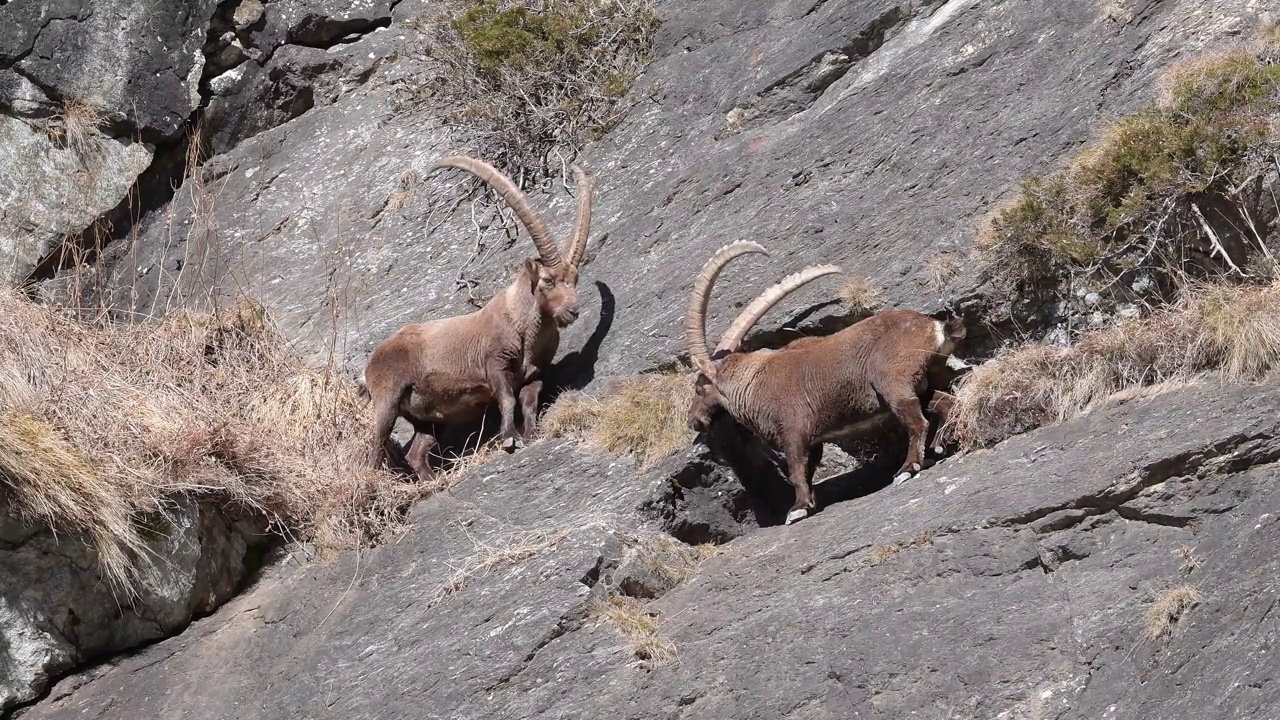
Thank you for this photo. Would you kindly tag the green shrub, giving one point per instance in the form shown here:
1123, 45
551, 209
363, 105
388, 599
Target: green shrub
518, 83
1139, 198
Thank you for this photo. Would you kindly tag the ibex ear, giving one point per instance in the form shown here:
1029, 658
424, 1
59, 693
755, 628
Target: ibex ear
529, 269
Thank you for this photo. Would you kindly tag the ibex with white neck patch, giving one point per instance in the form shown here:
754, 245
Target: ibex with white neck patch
448, 371
817, 389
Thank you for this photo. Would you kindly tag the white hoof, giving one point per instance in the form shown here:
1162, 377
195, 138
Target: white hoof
901, 478
797, 515
512, 444
939, 450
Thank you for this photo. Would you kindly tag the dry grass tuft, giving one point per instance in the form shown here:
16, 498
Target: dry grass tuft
940, 270
881, 554
101, 424
638, 627
642, 416
859, 296
503, 552
1232, 330
673, 560
1168, 609
77, 128
1190, 562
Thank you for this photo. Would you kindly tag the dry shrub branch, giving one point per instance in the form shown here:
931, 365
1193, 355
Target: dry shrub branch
1226, 328
520, 79
100, 425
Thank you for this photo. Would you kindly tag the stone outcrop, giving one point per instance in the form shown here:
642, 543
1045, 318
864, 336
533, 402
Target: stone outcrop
57, 611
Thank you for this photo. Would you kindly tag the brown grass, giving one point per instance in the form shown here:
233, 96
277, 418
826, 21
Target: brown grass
642, 416
940, 270
101, 424
1189, 561
1231, 330
674, 560
76, 127
1167, 610
859, 296
881, 554
639, 628
503, 552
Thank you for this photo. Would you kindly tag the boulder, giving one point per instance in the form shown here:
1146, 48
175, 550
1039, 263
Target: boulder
140, 62
57, 176
58, 612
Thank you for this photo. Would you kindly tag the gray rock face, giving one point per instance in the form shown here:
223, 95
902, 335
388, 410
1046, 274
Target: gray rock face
140, 61
1008, 583
57, 612
868, 133
54, 188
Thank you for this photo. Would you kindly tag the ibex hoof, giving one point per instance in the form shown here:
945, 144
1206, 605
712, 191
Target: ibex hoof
902, 477
512, 444
797, 515
939, 450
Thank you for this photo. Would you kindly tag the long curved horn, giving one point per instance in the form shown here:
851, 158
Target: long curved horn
695, 321
742, 324
581, 226
514, 198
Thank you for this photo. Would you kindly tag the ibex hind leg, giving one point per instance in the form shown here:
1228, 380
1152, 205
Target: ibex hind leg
529, 395
420, 455
940, 407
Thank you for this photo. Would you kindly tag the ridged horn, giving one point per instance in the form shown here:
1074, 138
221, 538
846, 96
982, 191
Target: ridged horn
514, 198
581, 226
752, 313
695, 321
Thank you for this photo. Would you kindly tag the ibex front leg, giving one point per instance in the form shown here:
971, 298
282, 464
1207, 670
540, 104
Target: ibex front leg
801, 464
529, 395
504, 389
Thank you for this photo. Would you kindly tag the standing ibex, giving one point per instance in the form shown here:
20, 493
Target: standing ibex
448, 371
816, 389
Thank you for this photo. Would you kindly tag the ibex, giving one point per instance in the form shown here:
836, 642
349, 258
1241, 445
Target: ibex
448, 371
816, 389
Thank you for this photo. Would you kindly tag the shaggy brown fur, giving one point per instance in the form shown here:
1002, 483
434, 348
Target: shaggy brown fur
819, 389
448, 371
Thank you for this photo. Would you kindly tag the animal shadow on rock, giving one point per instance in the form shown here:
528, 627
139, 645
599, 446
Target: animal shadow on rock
762, 470
577, 369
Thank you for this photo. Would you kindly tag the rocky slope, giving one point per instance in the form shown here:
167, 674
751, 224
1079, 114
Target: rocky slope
1016, 586
869, 133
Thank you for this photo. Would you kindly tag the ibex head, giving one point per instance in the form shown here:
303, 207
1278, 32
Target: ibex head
552, 277
554, 289
707, 401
